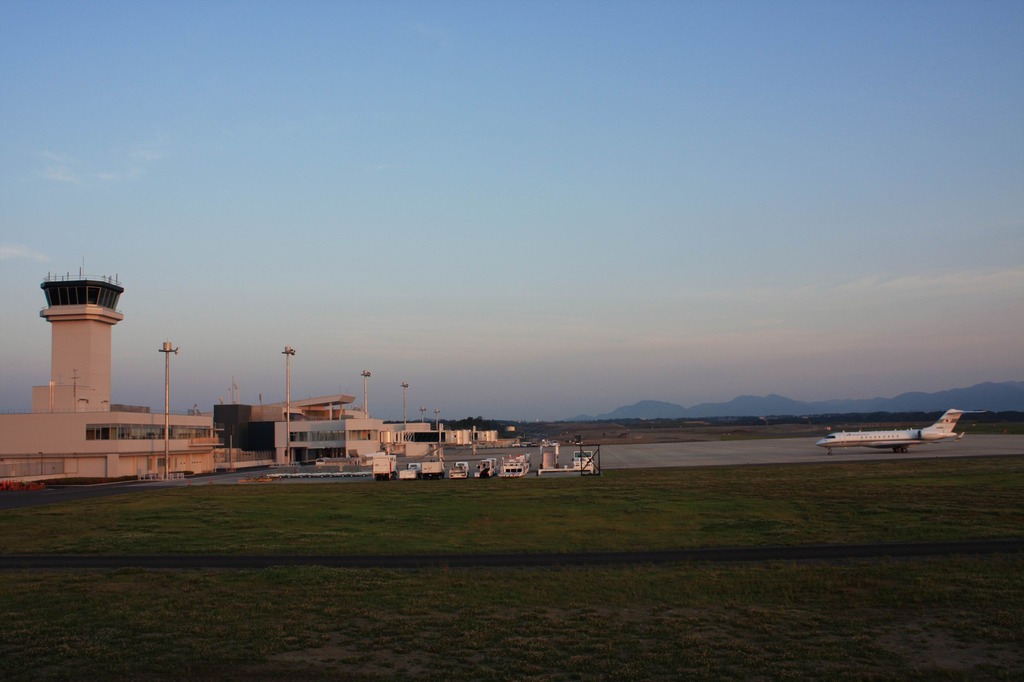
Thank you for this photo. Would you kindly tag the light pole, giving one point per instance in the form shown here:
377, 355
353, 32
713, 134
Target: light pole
167, 349
405, 421
437, 426
423, 413
288, 352
366, 404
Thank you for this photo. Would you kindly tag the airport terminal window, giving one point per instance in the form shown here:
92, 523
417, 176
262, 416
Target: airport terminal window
67, 295
143, 432
82, 295
316, 436
108, 298
97, 433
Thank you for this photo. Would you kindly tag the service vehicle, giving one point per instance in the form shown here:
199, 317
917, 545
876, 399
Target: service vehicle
432, 469
385, 467
487, 468
410, 473
515, 466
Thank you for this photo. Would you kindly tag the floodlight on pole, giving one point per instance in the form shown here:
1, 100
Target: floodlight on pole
366, 405
288, 352
423, 414
167, 349
405, 421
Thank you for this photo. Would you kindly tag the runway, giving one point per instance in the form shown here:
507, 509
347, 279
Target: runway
791, 451
641, 456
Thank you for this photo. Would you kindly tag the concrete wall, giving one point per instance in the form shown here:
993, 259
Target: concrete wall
55, 443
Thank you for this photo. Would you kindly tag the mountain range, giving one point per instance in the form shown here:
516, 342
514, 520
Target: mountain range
1005, 396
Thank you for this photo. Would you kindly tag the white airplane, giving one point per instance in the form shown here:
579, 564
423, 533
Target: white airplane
899, 440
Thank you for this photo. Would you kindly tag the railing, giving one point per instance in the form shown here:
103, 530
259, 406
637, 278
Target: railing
236, 456
131, 409
118, 407
42, 467
68, 277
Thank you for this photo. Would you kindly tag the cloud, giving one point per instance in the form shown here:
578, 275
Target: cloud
938, 308
125, 164
59, 169
978, 281
115, 176
154, 149
9, 252
870, 288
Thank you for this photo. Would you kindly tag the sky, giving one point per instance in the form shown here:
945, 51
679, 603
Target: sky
524, 210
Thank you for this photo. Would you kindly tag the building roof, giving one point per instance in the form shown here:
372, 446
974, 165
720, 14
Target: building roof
323, 401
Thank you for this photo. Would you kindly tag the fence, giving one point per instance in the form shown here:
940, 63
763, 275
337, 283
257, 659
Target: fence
26, 468
236, 456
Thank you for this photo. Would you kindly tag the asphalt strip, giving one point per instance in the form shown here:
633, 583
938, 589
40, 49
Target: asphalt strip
570, 559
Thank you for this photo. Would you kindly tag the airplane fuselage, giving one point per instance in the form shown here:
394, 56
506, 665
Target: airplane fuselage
898, 440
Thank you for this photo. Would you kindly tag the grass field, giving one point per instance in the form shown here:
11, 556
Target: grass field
956, 618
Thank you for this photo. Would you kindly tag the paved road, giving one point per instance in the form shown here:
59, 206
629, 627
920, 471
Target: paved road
708, 453
35, 498
710, 554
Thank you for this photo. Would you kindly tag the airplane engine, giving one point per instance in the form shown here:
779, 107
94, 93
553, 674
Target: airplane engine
916, 434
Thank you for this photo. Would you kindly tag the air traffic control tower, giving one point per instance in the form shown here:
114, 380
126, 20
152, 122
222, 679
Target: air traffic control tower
82, 312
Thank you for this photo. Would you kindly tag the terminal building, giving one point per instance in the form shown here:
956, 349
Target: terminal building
327, 427
74, 429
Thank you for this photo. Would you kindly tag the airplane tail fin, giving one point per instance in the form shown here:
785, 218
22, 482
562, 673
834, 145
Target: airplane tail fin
947, 422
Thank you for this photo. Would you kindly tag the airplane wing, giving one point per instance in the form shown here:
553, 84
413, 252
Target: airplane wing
889, 444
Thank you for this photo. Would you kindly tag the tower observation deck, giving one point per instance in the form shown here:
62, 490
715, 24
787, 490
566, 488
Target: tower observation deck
82, 311
64, 291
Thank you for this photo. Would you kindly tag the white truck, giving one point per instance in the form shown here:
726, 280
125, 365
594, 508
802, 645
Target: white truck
410, 473
385, 467
433, 465
432, 469
583, 462
459, 470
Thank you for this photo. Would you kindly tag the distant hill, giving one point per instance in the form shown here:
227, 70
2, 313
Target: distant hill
996, 397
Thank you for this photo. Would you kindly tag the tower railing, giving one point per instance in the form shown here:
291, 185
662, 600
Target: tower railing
68, 277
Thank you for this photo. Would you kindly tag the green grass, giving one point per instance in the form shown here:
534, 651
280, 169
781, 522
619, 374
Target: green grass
921, 500
935, 619
998, 428
944, 619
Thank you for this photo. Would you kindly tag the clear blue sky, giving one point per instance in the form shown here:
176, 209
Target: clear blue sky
522, 209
